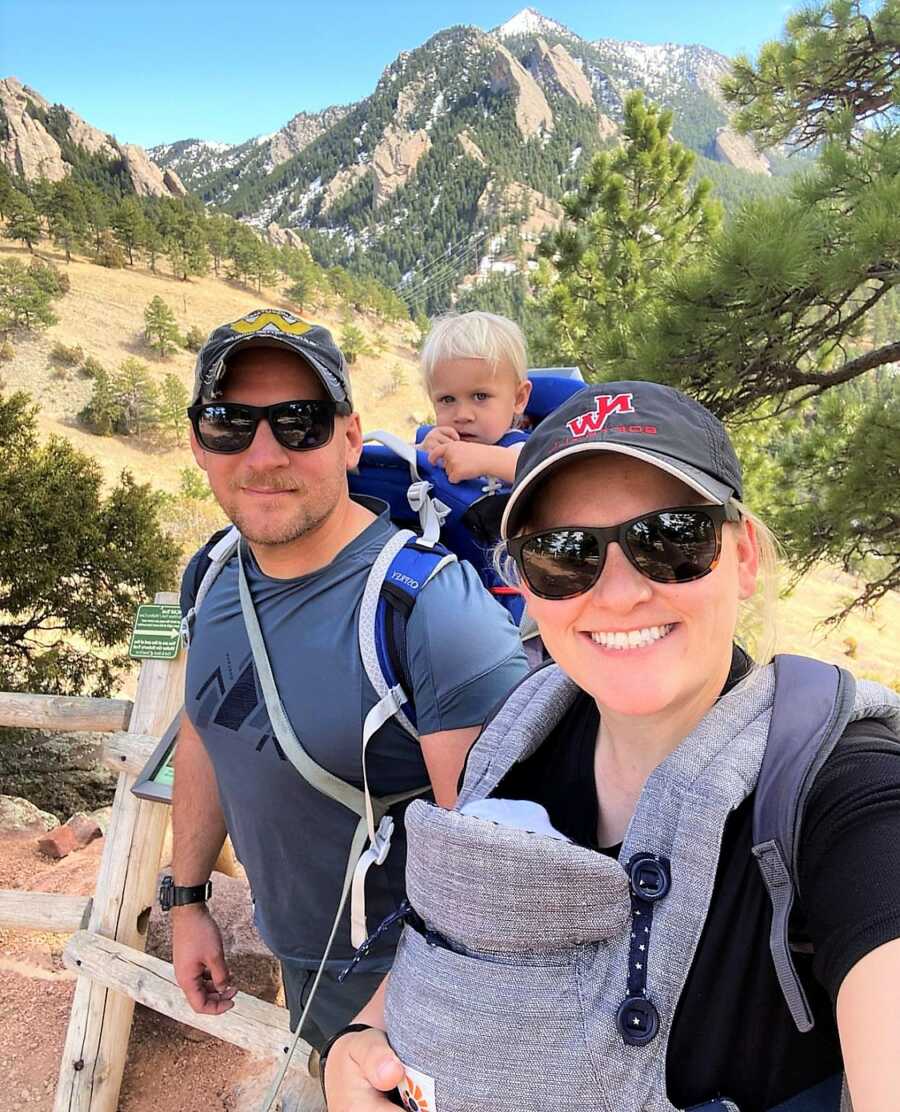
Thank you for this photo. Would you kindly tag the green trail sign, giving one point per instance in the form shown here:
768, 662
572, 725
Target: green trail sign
157, 633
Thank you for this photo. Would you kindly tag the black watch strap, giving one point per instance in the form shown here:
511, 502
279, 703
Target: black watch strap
177, 895
323, 1053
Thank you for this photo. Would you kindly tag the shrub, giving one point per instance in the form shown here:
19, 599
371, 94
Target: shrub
47, 278
193, 485
92, 367
7, 351
194, 338
63, 356
108, 252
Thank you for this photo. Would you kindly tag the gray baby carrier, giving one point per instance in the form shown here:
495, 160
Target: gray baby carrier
544, 976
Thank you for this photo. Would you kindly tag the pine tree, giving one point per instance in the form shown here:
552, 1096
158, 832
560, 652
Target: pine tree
635, 219
22, 221
72, 573
160, 327
136, 392
63, 235
129, 226
24, 300
153, 244
836, 66
217, 229
778, 315
353, 343
171, 405
103, 415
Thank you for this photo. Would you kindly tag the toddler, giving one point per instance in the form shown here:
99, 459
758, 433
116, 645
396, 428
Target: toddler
475, 371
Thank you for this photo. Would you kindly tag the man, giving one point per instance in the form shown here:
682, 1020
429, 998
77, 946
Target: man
279, 471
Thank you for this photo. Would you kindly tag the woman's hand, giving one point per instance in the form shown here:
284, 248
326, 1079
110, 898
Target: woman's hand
360, 1067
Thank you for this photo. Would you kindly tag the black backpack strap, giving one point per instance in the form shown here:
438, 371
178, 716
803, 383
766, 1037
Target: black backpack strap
812, 707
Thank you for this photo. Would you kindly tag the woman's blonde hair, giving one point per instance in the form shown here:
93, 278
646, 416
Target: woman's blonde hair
757, 627
476, 335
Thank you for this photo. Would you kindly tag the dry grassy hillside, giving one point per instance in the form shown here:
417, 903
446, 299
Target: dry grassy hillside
103, 314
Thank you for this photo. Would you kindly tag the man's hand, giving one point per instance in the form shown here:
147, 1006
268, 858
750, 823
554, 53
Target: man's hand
460, 459
440, 434
361, 1066
199, 960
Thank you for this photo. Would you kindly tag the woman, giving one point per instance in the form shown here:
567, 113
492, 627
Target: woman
622, 959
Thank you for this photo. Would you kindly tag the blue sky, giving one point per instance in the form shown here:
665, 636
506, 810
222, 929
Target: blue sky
153, 72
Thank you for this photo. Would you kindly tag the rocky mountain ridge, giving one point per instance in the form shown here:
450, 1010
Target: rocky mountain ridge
37, 140
514, 112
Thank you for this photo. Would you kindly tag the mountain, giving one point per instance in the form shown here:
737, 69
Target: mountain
202, 164
457, 159
39, 139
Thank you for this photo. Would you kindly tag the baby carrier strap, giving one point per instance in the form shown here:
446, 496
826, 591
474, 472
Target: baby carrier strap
813, 704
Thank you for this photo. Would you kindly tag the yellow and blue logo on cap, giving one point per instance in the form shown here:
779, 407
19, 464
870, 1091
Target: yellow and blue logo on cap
269, 320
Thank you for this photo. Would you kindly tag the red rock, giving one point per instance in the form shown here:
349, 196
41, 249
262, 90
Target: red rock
75, 834
59, 842
85, 828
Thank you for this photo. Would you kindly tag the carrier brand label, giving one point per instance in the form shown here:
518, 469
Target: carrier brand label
407, 579
595, 421
417, 1091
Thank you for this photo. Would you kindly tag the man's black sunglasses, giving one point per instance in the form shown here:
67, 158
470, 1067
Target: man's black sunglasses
668, 546
298, 425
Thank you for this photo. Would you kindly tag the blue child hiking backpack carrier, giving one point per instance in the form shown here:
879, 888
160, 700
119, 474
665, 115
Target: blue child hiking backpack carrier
465, 516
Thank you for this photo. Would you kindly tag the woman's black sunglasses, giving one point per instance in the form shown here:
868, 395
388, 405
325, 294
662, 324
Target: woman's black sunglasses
298, 425
667, 546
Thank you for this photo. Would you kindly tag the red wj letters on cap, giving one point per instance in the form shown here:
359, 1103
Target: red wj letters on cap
607, 404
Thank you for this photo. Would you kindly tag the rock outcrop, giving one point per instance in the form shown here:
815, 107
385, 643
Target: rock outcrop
174, 184
301, 130
471, 148
606, 127
28, 147
533, 113
284, 237
739, 150
395, 158
19, 818
557, 69
541, 213
340, 183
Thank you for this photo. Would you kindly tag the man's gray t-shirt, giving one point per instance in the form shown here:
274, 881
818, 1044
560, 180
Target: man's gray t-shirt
464, 655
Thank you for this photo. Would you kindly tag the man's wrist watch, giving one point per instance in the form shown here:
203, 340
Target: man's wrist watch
177, 895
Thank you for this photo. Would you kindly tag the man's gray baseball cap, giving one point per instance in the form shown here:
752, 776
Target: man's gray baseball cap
643, 420
271, 328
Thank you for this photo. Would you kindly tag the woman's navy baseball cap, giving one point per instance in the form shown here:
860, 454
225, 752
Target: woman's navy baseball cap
645, 420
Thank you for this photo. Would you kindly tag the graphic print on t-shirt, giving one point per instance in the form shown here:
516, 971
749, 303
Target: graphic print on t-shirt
239, 709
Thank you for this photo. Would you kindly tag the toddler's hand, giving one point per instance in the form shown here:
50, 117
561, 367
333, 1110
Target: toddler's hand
460, 460
440, 434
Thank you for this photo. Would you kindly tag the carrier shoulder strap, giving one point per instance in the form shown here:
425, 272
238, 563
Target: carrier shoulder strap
431, 511
813, 704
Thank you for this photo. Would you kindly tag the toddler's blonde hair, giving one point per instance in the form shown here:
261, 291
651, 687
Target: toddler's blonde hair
476, 335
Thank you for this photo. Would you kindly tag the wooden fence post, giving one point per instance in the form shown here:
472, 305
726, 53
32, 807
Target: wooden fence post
96, 1045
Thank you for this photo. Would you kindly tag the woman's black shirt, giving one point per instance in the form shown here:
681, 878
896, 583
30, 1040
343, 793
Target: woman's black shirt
732, 1035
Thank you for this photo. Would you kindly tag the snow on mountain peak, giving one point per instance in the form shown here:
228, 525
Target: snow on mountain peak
530, 22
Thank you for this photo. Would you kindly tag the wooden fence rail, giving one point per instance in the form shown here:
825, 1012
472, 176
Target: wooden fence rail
66, 713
